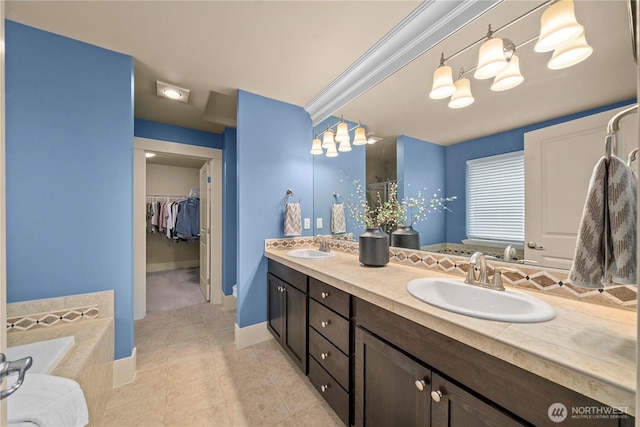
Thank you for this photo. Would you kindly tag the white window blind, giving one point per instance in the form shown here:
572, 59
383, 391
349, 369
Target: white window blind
495, 198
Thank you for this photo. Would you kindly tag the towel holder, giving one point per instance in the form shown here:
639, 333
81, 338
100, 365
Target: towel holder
289, 194
611, 140
338, 197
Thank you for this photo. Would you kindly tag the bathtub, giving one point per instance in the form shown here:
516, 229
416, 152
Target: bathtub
46, 354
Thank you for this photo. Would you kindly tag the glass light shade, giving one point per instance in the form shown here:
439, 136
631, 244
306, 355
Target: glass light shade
509, 78
360, 137
443, 86
558, 26
327, 139
570, 54
316, 146
331, 150
344, 145
491, 59
342, 132
463, 96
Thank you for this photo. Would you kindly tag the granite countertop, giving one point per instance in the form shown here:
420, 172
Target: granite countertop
87, 334
588, 348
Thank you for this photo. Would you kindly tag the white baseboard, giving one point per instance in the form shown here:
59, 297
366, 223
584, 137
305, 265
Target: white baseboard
250, 335
228, 302
124, 370
173, 265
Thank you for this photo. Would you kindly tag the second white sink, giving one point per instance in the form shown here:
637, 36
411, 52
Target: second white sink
310, 254
474, 301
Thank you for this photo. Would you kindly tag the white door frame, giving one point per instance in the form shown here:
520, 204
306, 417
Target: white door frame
140, 145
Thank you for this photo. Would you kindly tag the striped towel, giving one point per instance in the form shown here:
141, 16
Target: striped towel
606, 245
292, 220
338, 222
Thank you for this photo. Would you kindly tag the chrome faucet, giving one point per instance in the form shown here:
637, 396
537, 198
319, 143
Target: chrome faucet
509, 251
324, 243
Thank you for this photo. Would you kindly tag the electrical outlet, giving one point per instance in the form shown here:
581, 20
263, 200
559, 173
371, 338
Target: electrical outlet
307, 223
318, 223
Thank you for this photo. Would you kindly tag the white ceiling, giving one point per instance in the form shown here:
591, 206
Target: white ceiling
291, 50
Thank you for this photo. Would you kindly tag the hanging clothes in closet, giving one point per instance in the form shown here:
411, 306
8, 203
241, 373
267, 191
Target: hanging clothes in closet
175, 217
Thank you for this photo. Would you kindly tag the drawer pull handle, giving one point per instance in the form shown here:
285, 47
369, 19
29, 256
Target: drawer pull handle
324, 295
282, 289
324, 388
325, 323
436, 395
324, 355
421, 384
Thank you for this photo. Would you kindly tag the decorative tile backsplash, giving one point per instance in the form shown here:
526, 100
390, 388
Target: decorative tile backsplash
531, 277
51, 318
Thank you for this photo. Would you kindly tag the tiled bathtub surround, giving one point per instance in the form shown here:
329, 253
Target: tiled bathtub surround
90, 359
541, 279
26, 315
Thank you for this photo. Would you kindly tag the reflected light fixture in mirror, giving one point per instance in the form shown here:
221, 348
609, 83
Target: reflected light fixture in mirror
331, 151
462, 97
491, 58
327, 139
360, 137
443, 86
510, 77
316, 146
558, 26
559, 32
570, 54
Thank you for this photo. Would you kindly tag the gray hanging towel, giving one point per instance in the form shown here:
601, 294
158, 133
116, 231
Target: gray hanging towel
622, 193
338, 221
292, 220
606, 246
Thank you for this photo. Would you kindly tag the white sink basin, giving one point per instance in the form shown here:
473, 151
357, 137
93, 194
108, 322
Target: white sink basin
310, 254
470, 300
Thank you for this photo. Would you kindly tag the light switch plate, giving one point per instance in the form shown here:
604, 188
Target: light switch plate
318, 223
307, 223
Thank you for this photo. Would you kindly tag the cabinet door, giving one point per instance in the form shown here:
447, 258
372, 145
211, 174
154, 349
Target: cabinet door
453, 406
391, 388
295, 331
275, 306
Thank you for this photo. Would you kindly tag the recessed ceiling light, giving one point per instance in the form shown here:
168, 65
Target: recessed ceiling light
175, 93
148, 155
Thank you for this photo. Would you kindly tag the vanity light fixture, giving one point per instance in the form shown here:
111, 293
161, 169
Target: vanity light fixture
340, 138
169, 91
560, 32
462, 97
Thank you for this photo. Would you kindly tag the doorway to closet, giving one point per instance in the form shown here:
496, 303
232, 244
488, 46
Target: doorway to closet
176, 266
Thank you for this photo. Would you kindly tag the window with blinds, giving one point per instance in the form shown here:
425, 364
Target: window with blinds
495, 198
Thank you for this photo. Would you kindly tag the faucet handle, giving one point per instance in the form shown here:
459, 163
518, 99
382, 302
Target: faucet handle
497, 276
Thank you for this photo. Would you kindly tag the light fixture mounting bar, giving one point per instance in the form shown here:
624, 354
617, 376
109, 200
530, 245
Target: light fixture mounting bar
505, 26
336, 124
524, 43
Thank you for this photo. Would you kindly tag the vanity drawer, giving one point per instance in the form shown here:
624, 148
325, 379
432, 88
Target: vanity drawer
330, 390
334, 361
331, 325
289, 275
335, 299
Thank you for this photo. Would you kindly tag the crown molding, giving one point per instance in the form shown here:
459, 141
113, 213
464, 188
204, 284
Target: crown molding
425, 27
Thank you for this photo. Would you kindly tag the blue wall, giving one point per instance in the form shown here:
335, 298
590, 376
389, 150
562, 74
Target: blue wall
333, 174
69, 156
456, 157
171, 133
229, 213
421, 169
273, 156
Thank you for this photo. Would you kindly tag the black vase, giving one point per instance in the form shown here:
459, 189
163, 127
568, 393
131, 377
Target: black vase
374, 247
405, 237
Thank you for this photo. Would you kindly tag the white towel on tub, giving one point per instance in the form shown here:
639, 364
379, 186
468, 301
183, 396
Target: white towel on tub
48, 401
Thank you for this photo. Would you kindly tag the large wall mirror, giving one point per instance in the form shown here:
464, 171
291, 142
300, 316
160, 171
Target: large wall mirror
430, 144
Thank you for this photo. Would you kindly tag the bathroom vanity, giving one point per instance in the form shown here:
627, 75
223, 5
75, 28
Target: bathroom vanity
380, 357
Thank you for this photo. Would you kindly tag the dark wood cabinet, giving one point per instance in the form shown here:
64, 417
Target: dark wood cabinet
287, 309
453, 406
391, 388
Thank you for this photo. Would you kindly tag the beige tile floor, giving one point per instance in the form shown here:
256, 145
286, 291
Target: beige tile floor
190, 374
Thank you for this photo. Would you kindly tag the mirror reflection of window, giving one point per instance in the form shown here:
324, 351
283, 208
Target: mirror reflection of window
495, 200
